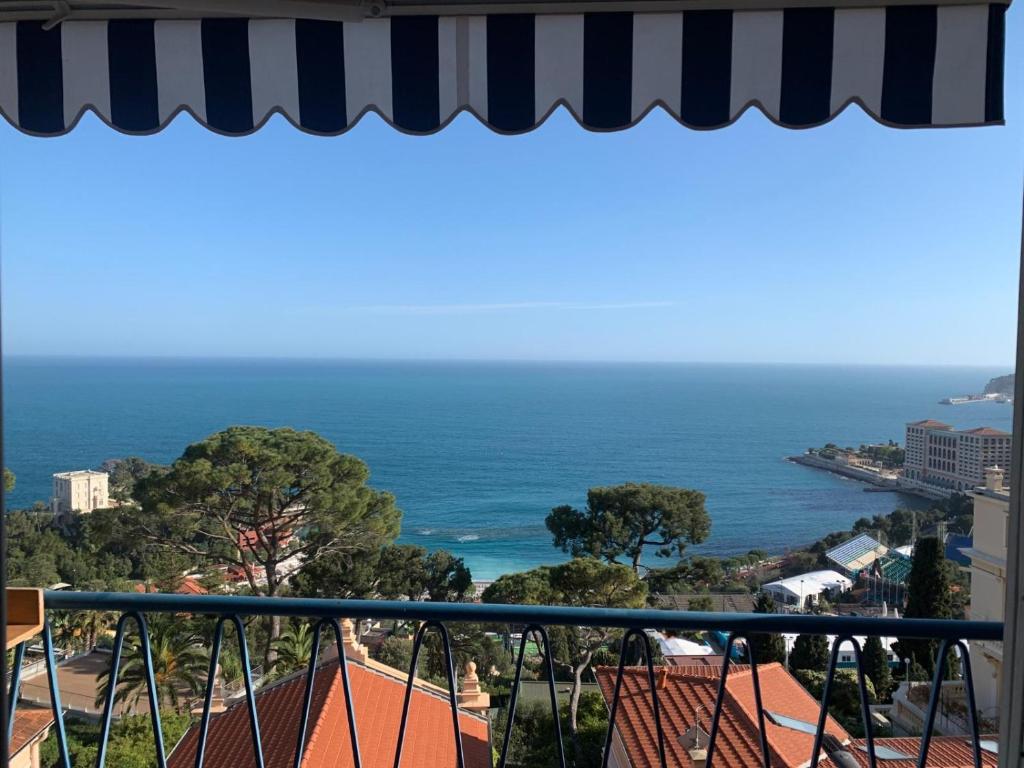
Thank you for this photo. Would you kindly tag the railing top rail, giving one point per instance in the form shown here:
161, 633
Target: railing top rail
740, 623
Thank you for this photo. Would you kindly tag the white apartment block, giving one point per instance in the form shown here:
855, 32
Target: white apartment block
81, 491
988, 585
941, 456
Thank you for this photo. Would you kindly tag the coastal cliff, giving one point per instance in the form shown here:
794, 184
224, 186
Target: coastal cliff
1000, 385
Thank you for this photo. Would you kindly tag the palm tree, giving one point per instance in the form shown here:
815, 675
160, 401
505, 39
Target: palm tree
68, 631
92, 624
179, 665
294, 647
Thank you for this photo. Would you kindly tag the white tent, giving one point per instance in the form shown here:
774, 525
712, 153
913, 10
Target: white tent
796, 590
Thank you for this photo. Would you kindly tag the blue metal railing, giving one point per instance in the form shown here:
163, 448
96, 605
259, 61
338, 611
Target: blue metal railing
324, 614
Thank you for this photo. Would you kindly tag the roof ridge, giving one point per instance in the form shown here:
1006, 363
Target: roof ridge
314, 732
422, 686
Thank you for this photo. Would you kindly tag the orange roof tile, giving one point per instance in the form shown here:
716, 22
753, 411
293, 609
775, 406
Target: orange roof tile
378, 698
688, 696
191, 587
944, 752
29, 723
987, 432
930, 424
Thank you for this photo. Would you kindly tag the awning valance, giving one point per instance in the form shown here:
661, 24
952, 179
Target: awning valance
906, 65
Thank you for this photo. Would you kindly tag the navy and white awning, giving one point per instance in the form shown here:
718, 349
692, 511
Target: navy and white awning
906, 65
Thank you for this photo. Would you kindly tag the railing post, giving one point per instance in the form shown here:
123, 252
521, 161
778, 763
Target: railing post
12, 696
55, 704
153, 694
514, 696
645, 643
450, 670
250, 694
314, 656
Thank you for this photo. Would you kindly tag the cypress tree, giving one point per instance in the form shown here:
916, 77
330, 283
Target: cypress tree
767, 647
809, 652
876, 667
928, 597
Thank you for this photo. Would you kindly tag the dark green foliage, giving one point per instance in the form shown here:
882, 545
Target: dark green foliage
395, 652
39, 554
533, 734
701, 603
844, 697
767, 647
889, 455
391, 572
125, 473
131, 741
580, 582
896, 529
694, 574
621, 521
294, 646
179, 667
928, 597
809, 652
876, 667
271, 483
797, 563
9, 480
469, 643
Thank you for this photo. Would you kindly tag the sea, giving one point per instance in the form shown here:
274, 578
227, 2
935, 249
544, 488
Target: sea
477, 453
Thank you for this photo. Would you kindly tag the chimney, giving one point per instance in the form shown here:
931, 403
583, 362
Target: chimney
994, 478
662, 678
353, 649
699, 757
471, 697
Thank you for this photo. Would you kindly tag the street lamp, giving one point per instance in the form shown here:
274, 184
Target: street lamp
906, 664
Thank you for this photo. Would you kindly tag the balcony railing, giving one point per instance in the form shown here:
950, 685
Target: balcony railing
530, 620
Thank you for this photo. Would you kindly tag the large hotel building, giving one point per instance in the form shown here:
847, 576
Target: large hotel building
955, 460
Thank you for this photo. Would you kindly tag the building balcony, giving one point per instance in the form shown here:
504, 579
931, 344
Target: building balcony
343, 708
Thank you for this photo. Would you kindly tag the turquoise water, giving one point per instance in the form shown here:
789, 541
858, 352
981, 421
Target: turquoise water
477, 453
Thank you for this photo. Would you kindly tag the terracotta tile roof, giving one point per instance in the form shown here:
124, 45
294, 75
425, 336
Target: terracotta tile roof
429, 741
29, 723
987, 432
188, 586
944, 752
191, 587
688, 695
930, 424
710, 660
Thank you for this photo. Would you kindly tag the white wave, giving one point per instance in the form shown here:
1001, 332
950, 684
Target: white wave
468, 537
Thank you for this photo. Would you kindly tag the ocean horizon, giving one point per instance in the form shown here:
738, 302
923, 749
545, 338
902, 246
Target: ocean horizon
478, 452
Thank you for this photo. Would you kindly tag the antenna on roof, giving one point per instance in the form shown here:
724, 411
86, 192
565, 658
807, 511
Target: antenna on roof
696, 716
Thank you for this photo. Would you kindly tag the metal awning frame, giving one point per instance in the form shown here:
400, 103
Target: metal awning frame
54, 13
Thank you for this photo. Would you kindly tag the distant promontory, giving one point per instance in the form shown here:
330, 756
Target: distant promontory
1000, 385
998, 390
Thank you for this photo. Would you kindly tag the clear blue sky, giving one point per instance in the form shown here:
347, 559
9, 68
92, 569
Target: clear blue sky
847, 243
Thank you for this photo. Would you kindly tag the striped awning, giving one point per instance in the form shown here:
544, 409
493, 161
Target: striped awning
905, 65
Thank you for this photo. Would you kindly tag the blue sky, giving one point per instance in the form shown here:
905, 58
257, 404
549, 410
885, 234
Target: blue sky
848, 243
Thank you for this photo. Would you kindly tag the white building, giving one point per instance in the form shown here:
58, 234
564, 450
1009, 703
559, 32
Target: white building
804, 590
988, 584
847, 655
939, 456
81, 491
